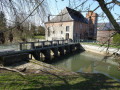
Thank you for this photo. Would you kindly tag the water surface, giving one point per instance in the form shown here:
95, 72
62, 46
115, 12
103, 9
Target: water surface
88, 62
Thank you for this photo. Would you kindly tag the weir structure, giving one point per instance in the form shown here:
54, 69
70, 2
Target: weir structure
30, 50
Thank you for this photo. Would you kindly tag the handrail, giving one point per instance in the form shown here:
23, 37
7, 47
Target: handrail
51, 43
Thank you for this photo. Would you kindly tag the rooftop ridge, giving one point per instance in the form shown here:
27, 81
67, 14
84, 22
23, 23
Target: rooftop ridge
68, 14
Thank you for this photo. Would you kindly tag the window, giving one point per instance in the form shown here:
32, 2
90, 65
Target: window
80, 26
76, 34
53, 32
67, 28
48, 32
61, 32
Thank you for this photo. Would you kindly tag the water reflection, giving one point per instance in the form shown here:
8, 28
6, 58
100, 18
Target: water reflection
88, 62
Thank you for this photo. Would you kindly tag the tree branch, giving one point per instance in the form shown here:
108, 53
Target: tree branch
13, 70
109, 15
109, 2
116, 2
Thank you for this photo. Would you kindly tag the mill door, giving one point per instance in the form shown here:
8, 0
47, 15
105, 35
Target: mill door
67, 35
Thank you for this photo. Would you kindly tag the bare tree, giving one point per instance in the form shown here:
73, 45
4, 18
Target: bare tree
19, 13
105, 5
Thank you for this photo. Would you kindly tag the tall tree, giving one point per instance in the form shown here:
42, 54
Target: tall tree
2, 27
2, 21
41, 30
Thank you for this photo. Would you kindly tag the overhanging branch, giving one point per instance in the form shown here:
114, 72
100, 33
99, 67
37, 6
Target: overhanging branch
116, 2
108, 14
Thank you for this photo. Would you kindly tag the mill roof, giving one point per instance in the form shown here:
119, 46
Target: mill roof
68, 14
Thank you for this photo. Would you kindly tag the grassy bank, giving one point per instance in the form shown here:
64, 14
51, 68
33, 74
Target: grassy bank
39, 37
13, 81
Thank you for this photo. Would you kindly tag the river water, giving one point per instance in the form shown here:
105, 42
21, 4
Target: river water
88, 62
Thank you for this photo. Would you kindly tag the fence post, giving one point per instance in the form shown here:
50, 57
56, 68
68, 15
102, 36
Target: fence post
32, 45
20, 46
51, 43
58, 42
43, 44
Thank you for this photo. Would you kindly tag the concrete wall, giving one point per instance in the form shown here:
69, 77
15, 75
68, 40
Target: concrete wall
99, 49
15, 58
56, 28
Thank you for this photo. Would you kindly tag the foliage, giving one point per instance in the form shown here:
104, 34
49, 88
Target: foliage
2, 21
116, 39
33, 29
39, 37
41, 30
2, 27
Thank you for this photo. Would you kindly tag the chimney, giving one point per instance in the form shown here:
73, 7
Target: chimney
48, 17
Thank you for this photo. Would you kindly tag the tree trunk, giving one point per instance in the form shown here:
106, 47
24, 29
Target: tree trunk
109, 15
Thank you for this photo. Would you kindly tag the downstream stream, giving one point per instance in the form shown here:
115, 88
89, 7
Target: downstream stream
88, 62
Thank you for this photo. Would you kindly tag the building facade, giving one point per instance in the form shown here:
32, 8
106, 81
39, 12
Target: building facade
93, 20
71, 24
103, 36
104, 32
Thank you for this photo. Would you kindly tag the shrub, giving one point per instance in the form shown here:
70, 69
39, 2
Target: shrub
116, 39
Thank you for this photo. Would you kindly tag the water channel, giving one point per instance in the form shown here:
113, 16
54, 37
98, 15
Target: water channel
88, 62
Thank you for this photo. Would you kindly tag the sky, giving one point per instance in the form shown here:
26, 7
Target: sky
57, 5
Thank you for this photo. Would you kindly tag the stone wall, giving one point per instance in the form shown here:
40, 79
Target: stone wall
103, 35
94, 17
77, 30
99, 49
80, 30
57, 28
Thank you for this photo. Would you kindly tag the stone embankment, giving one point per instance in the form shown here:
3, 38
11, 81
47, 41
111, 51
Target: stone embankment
100, 50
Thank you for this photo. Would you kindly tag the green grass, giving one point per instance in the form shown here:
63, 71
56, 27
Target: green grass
13, 81
39, 37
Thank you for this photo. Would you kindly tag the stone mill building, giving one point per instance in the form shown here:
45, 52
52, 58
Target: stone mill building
71, 24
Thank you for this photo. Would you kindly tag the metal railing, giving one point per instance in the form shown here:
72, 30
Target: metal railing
84, 40
41, 44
